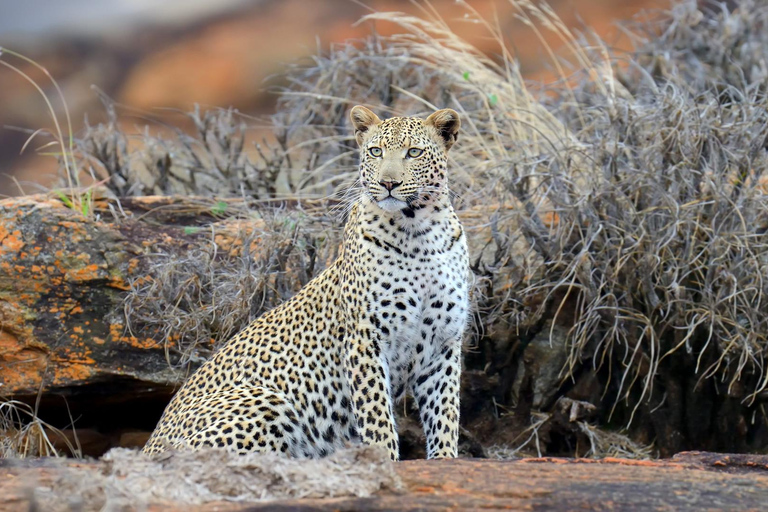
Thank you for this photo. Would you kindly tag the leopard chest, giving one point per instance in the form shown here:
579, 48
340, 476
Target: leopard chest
418, 298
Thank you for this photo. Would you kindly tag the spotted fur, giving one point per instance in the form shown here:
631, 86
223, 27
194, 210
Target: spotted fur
325, 368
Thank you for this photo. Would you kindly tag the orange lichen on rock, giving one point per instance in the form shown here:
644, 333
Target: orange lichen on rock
118, 283
10, 241
21, 366
62, 282
117, 334
68, 372
82, 274
77, 350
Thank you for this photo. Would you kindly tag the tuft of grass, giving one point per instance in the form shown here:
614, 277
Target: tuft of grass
599, 443
23, 434
75, 196
603, 443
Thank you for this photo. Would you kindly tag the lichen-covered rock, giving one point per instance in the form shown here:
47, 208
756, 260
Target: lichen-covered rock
63, 278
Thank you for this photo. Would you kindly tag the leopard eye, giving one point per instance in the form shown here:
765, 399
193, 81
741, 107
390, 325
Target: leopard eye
374, 152
415, 152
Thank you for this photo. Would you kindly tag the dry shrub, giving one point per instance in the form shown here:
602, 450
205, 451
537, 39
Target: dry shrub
626, 202
664, 265
708, 47
594, 443
210, 162
196, 301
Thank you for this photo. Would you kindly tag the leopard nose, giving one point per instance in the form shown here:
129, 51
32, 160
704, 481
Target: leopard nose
390, 185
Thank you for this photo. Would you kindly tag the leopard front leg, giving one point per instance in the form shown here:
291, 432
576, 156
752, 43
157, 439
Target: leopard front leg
436, 390
371, 395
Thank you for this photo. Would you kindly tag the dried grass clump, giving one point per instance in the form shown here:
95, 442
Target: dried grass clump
125, 478
593, 442
212, 161
625, 202
235, 273
666, 260
23, 434
708, 45
603, 443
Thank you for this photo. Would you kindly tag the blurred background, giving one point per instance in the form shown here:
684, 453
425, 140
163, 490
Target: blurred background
155, 59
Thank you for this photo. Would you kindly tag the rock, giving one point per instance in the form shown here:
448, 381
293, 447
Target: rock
540, 369
62, 280
692, 482
64, 277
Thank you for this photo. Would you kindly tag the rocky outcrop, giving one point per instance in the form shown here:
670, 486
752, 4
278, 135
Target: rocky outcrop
63, 277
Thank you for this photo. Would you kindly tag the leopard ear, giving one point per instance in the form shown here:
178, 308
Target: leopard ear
362, 119
447, 123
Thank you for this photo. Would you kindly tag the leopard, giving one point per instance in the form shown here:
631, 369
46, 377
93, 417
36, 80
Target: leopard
325, 369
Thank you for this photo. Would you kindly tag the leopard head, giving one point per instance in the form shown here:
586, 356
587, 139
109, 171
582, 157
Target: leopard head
403, 160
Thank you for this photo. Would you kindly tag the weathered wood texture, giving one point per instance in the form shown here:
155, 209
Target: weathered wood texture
689, 482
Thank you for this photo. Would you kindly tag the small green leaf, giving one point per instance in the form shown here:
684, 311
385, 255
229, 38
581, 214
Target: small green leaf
190, 230
64, 199
493, 99
466, 76
86, 202
219, 208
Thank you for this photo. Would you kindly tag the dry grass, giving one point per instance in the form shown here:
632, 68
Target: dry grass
603, 443
211, 161
593, 443
60, 136
626, 202
23, 434
204, 298
669, 253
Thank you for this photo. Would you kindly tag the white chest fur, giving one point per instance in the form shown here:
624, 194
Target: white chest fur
418, 300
